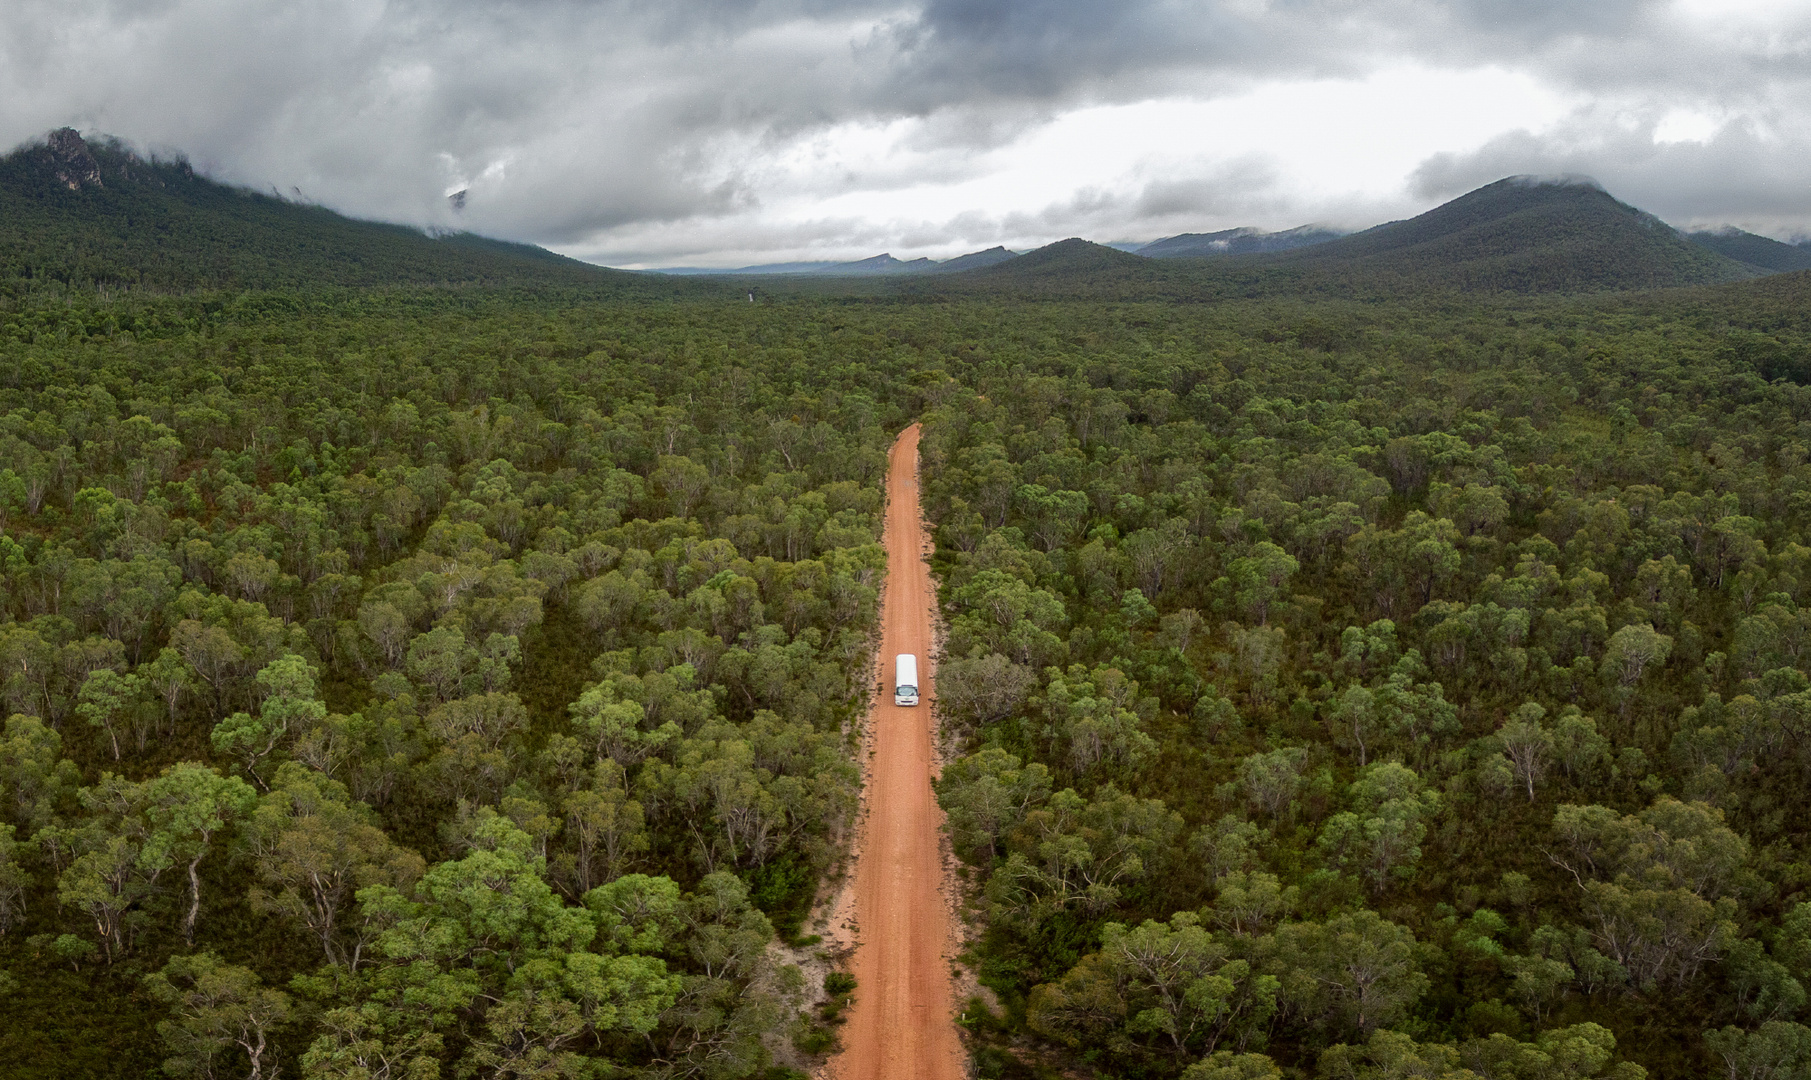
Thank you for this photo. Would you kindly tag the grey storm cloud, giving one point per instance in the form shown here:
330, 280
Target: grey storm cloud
1243, 187
662, 129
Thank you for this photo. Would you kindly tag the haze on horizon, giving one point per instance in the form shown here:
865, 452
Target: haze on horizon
703, 132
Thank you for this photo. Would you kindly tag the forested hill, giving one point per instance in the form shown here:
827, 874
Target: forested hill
1526, 234
90, 215
1763, 254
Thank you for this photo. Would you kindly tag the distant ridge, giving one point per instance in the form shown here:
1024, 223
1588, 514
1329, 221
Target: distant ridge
1069, 255
1245, 241
1763, 254
90, 213
976, 260
1059, 267
764, 268
883, 264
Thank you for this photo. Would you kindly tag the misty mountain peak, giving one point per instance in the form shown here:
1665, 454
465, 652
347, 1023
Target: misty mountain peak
1577, 180
73, 163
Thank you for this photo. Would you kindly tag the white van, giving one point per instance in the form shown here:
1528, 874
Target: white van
905, 679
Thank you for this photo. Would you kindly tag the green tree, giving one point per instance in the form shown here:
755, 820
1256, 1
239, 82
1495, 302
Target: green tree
1777, 1050
1634, 649
34, 776
606, 829
1527, 744
1167, 982
441, 660
14, 879
110, 861
106, 699
1391, 1055
170, 678
313, 849
1272, 780
211, 653
715, 1024
981, 690
221, 1012
1231, 1065
986, 795
616, 723
1250, 902
1261, 577
486, 937
1381, 835
1652, 884
1095, 715
1056, 516
1356, 717
1080, 854
1353, 973
291, 705
185, 807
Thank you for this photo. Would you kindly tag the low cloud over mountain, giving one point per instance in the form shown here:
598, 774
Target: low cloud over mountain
725, 134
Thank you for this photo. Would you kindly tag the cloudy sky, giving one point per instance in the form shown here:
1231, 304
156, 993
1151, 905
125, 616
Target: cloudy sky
719, 133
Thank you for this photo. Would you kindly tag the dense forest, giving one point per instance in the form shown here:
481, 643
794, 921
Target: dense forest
465, 678
396, 683
1385, 693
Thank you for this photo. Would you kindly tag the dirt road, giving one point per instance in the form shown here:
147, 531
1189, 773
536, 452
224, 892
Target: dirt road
902, 1024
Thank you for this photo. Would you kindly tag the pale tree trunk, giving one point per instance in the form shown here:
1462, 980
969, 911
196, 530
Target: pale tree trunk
188, 925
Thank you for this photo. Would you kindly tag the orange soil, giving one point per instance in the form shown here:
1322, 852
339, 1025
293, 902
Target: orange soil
902, 1023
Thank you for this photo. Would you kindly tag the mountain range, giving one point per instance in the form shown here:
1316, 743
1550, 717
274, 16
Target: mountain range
1246, 241
92, 214
878, 264
1521, 234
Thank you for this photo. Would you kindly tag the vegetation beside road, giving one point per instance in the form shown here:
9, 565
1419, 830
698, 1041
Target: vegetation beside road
456, 676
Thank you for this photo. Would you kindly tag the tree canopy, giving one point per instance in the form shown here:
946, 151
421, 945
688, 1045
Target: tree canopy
465, 682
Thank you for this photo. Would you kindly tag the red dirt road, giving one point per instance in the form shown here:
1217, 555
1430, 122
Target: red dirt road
902, 1024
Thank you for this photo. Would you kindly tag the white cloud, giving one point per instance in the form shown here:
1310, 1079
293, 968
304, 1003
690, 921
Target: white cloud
1686, 125
710, 131
1276, 156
